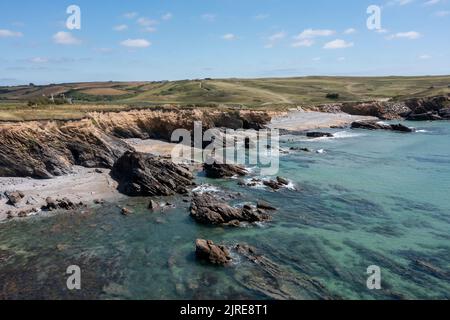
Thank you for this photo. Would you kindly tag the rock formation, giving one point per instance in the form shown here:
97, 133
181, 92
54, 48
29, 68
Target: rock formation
373, 125
215, 254
208, 209
141, 174
219, 171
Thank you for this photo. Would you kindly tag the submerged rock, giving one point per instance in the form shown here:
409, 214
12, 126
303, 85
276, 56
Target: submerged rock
219, 171
265, 206
139, 174
208, 209
206, 250
373, 125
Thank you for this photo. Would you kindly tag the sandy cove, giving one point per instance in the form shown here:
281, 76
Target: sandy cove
89, 185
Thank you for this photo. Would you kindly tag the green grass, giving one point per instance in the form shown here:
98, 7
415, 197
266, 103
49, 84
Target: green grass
269, 93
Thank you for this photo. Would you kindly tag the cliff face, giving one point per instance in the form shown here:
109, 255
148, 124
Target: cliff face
46, 149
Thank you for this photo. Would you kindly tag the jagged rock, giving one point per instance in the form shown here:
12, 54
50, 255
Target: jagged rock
319, 135
207, 209
14, 197
272, 184
153, 205
141, 174
265, 206
300, 149
63, 204
126, 211
373, 125
445, 113
282, 181
219, 171
206, 250
428, 116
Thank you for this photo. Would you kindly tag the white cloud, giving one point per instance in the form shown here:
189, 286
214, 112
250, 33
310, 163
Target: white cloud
136, 43
130, 15
411, 35
209, 17
146, 22
399, 2
431, 2
261, 16
312, 33
149, 29
39, 60
121, 27
442, 13
338, 44
167, 16
302, 43
274, 38
103, 50
350, 31
381, 30
4, 33
229, 37
65, 38
425, 57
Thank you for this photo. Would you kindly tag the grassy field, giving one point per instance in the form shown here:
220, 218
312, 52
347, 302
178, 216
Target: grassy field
269, 93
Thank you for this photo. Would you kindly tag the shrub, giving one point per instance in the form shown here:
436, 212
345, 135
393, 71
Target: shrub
333, 96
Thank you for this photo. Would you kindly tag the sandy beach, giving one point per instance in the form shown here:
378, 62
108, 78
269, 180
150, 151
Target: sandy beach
303, 121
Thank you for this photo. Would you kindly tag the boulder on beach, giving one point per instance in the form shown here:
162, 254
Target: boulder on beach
208, 209
206, 250
219, 171
374, 125
140, 174
60, 204
14, 197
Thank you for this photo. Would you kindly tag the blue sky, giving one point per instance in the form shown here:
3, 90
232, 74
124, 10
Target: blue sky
186, 39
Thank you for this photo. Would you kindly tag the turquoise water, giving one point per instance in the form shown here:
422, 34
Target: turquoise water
374, 198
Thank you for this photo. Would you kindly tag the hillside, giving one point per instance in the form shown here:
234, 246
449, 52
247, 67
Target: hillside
26, 102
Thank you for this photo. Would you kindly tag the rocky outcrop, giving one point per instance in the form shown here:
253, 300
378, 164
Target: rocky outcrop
141, 174
60, 204
373, 125
219, 171
207, 251
383, 110
208, 209
416, 109
319, 135
44, 150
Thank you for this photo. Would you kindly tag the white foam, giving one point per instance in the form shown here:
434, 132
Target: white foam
422, 131
205, 188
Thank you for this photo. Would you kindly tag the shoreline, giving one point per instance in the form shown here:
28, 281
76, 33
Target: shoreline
89, 185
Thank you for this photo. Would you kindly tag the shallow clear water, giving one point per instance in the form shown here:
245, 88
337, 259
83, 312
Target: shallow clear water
374, 198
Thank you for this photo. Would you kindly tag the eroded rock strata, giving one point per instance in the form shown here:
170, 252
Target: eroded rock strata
50, 148
208, 209
140, 174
